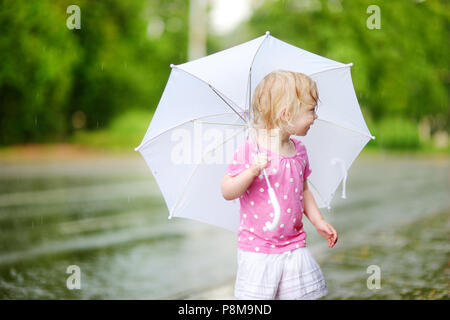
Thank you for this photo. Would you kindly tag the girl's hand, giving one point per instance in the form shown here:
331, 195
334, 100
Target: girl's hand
327, 231
259, 163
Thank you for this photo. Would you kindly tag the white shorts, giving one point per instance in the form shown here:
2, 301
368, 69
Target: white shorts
291, 275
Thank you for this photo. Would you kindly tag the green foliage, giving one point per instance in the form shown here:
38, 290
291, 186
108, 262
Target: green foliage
400, 70
49, 73
396, 133
34, 71
123, 133
51, 76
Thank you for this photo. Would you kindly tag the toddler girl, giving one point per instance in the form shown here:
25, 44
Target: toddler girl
276, 264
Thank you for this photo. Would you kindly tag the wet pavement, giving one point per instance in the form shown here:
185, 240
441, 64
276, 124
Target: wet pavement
106, 215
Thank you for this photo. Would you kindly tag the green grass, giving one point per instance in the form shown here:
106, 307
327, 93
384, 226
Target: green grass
123, 134
399, 136
126, 132
397, 133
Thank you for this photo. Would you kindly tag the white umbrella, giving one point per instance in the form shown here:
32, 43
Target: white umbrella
209, 98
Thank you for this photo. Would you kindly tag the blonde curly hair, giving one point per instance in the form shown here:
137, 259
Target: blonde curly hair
281, 93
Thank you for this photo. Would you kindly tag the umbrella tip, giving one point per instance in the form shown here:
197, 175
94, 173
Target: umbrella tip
267, 33
172, 65
350, 64
373, 137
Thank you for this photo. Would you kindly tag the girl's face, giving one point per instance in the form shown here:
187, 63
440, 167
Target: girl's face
304, 120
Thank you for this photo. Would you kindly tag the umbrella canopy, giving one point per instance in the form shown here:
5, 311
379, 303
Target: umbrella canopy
208, 100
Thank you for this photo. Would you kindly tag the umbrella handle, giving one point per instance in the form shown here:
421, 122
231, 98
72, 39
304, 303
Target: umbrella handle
276, 206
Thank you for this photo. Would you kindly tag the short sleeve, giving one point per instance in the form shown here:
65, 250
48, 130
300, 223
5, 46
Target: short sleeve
240, 161
307, 170
304, 160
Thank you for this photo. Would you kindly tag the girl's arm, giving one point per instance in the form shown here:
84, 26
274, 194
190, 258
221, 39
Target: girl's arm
312, 212
310, 207
233, 187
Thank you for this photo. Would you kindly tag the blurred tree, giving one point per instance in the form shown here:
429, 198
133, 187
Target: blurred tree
35, 71
401, 69
54, 80
128, 46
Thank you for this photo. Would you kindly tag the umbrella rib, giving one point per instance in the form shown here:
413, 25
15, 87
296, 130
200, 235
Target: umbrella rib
180, 124
344, 127
228, 124
193, 75
196, 167
249, 84
219, 95
332, 68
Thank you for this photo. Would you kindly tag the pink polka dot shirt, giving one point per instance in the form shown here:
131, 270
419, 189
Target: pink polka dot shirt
286, 175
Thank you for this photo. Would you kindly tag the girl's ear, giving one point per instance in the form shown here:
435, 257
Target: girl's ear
284, 120
284, 115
